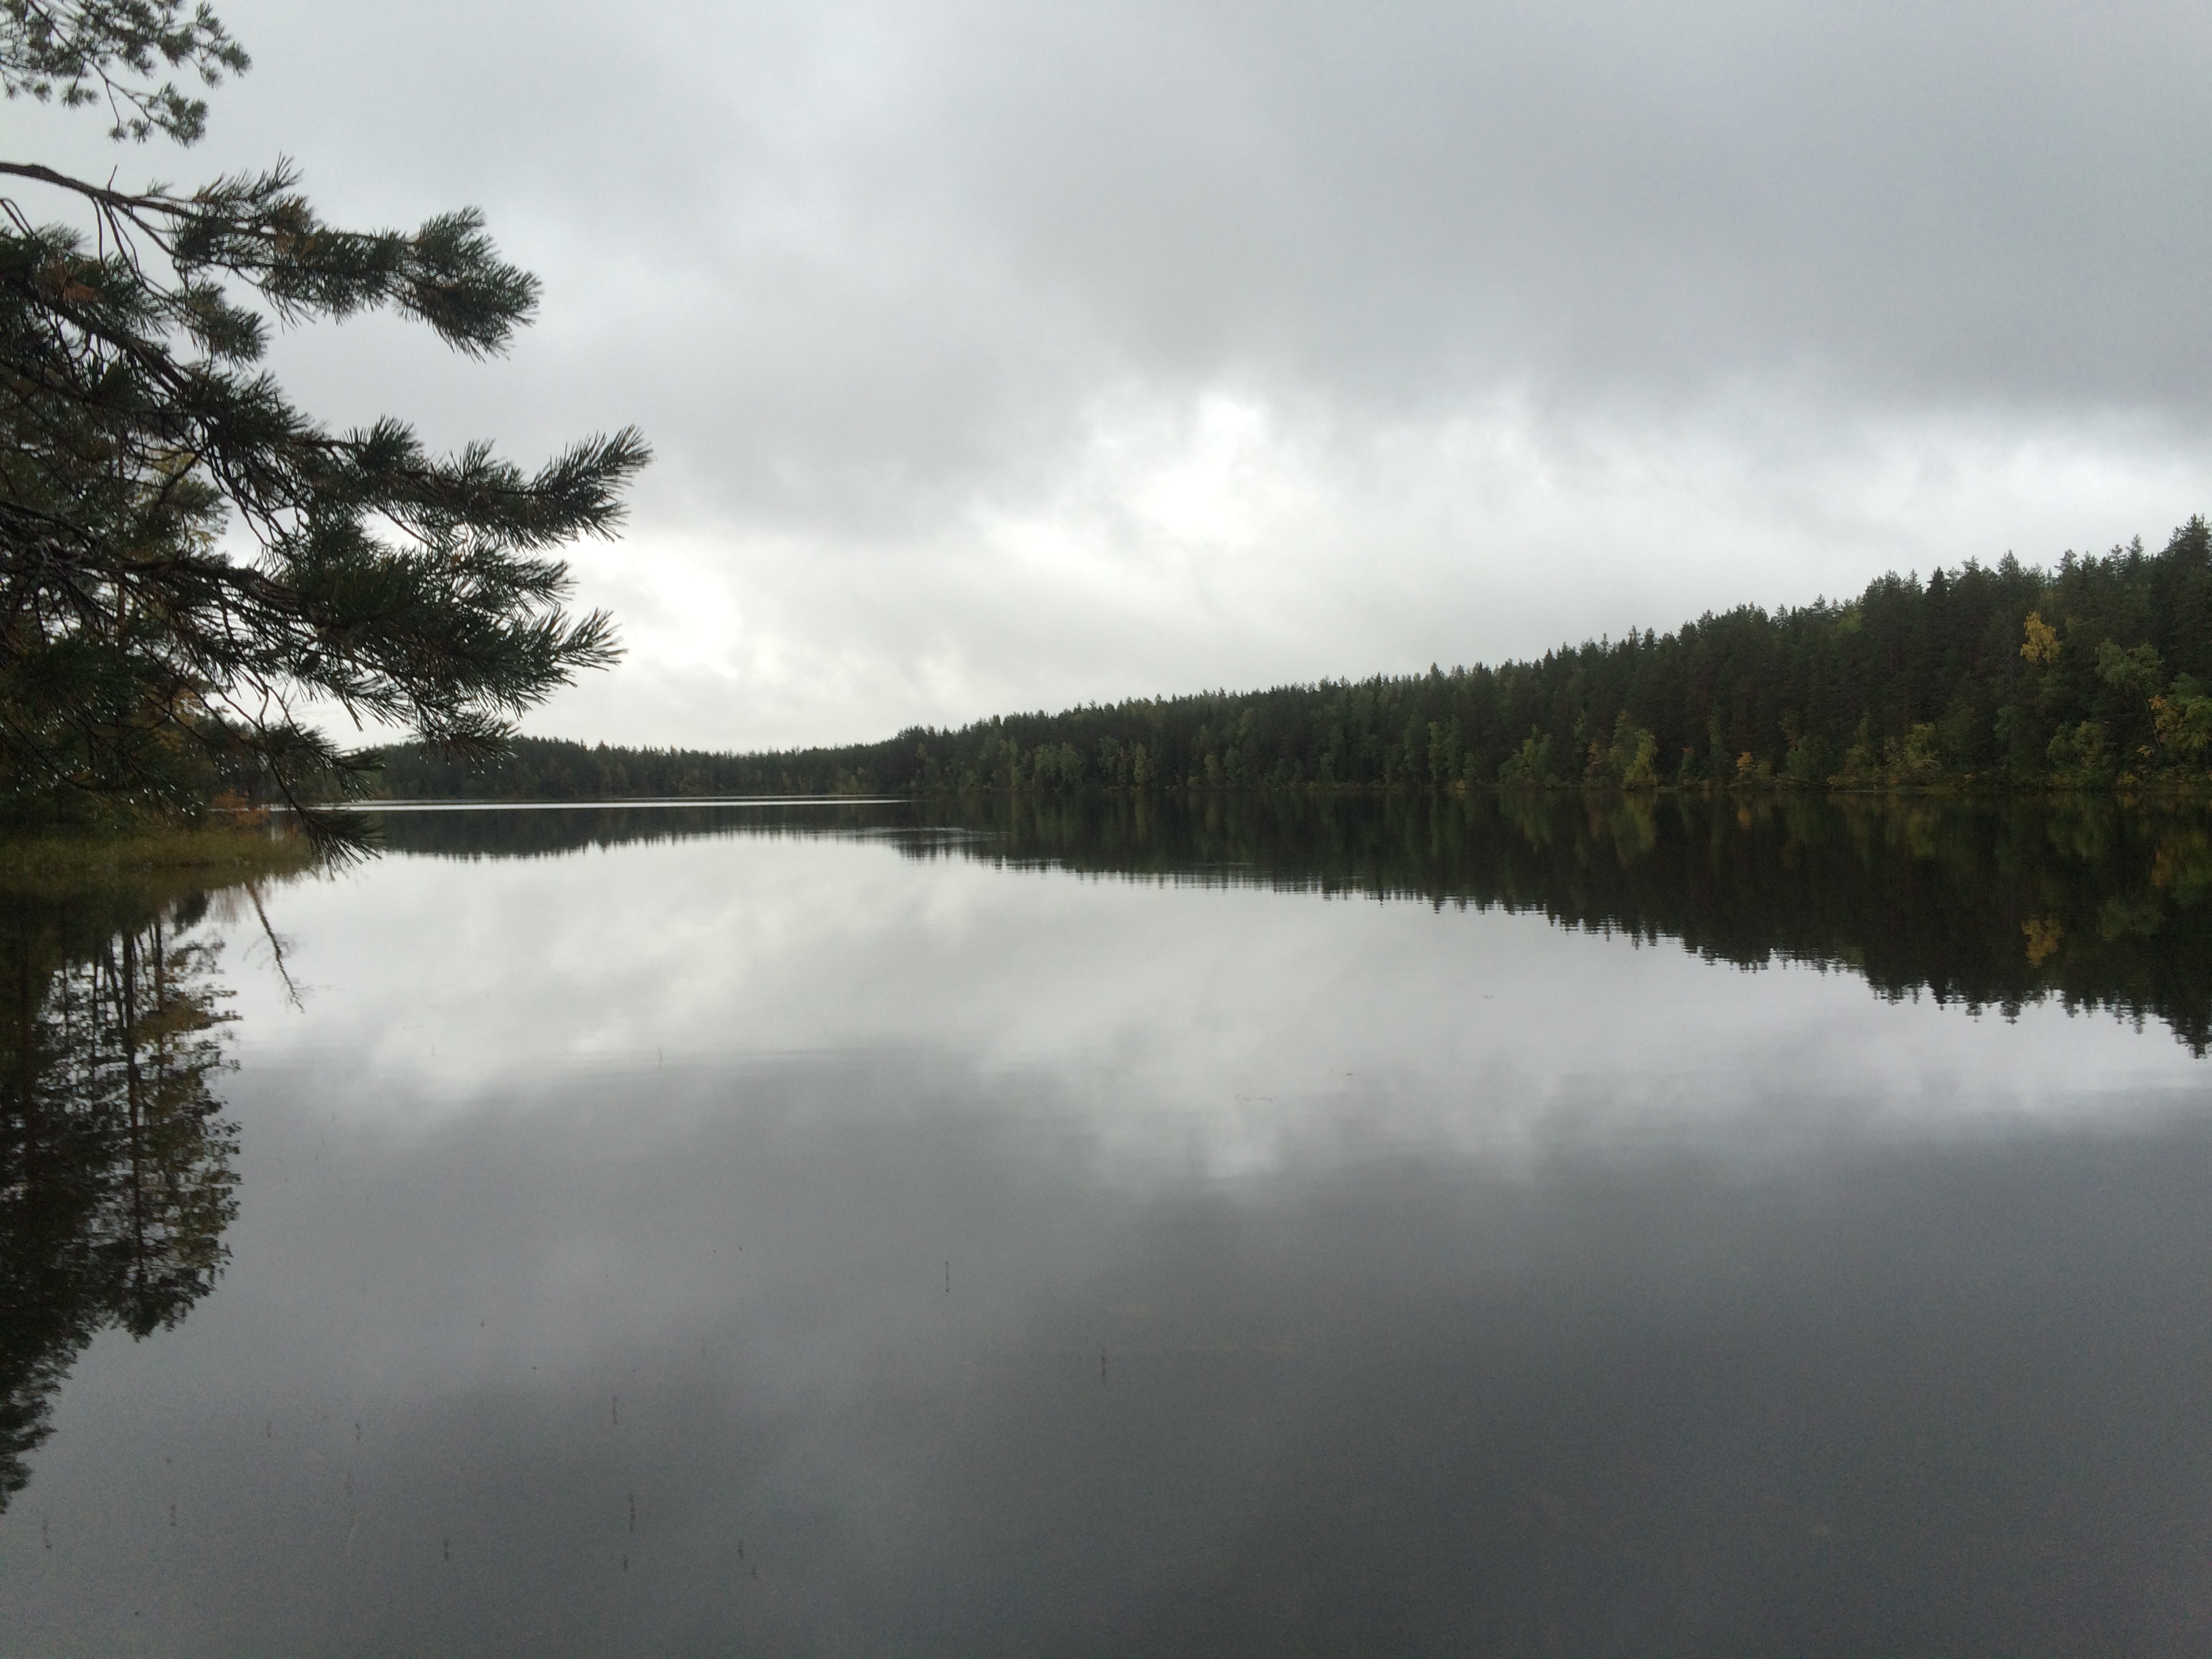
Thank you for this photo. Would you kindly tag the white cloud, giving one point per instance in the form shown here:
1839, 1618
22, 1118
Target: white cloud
1221, 539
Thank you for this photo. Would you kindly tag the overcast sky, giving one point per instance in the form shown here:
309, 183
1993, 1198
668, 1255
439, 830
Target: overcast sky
1006, 356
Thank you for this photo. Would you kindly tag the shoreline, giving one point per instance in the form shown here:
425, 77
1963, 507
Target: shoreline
222, 852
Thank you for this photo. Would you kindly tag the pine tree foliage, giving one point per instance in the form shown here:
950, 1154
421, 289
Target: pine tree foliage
190, 565
86, 51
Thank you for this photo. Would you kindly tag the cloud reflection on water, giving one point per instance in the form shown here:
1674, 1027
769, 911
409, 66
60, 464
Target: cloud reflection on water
992, 1259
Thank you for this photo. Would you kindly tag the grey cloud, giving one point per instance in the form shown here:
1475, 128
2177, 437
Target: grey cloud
1989, 202
1559, 318
877, 234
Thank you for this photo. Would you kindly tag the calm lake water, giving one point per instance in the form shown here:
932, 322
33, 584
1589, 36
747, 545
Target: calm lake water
1216, 1227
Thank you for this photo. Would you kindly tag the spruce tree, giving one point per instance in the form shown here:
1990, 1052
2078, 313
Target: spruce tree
191, 567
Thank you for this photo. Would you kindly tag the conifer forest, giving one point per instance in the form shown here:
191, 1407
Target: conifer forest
2095, 674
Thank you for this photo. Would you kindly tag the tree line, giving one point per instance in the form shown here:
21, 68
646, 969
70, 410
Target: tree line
2096, 673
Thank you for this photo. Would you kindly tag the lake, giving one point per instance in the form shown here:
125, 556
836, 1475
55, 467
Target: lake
1215, 1226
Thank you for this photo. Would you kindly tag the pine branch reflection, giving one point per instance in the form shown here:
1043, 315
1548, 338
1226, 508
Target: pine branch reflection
116, 1179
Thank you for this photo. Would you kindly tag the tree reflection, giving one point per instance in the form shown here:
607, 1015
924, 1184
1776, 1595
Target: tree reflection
116, 1182
1996, 902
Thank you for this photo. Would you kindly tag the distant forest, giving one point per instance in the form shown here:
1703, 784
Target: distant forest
2096, 674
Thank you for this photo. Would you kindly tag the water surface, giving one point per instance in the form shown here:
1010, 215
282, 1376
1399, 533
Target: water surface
1212, 1226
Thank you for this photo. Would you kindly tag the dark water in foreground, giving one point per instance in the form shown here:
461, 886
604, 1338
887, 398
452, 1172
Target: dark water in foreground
858, 1230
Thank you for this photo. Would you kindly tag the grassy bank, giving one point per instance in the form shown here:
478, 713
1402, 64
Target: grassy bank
206, 854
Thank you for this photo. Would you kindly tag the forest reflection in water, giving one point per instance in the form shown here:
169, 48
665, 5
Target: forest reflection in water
1992, 904
116, 1179
1879, 1330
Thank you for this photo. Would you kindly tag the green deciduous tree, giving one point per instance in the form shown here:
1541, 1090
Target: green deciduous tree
189, 566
